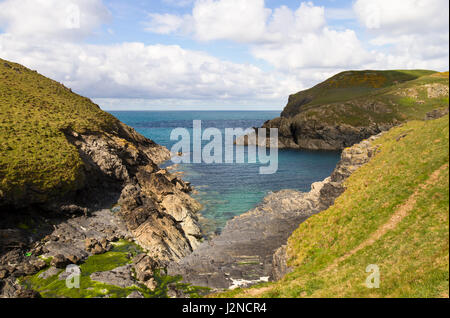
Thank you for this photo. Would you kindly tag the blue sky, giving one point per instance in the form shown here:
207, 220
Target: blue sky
217, 54
129, 16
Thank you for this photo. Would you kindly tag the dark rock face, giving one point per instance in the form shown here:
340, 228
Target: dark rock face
303, 133
299, 133
250, 248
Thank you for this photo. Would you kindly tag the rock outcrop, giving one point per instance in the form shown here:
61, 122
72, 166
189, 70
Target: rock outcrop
248, 249
306, 133
352, 106
279, 263
154, 209
65, 164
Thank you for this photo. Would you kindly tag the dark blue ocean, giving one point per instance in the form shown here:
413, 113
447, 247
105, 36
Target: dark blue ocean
227, 190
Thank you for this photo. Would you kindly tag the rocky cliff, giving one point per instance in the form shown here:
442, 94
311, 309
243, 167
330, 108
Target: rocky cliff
354, 105
74, 179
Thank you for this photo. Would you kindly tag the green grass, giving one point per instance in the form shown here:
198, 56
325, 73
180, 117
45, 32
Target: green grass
359, 98
37, 160
52, 287
413, 257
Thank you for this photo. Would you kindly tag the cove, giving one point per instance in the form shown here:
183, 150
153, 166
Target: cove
230, 189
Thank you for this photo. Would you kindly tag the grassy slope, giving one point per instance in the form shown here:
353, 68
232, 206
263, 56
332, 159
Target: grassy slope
413, 256
33, 112
349, 97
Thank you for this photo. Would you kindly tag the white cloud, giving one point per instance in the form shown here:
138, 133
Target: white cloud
403, 16
407, 33
163, 23
59, 19
286, 25
237, 20
287, 39
323, 49
403, 33
126, 70
135, 70
241, 21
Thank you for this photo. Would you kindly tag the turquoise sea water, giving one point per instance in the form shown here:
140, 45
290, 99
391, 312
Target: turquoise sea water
227, 190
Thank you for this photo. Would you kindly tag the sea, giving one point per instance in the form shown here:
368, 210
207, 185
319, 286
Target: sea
229, 189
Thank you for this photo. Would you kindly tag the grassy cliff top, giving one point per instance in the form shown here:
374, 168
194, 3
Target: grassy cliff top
393, 214
34, 112
359, 98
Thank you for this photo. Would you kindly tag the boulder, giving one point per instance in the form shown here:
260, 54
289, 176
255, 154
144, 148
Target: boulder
144, 267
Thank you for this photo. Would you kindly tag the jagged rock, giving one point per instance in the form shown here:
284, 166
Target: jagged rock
73, 259
150, 210
180, 206
12, 289
38, 263
351, 159
27, 269
97, 247
59, 261
144, 267
436, 90
81, 233
151, 284
279, 264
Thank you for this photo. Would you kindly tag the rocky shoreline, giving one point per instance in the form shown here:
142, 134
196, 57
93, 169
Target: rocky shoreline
251, 248
127, 197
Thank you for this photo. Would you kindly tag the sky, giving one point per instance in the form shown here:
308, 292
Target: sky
217, 54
